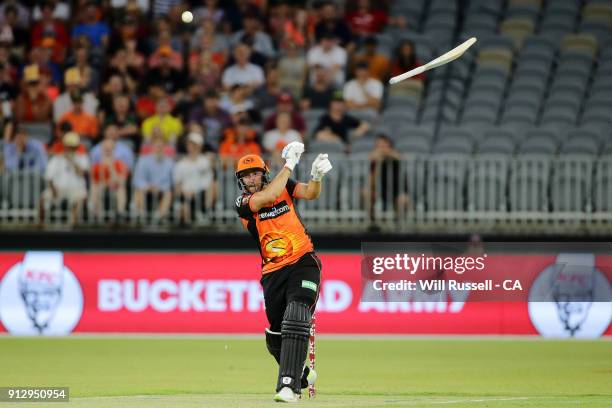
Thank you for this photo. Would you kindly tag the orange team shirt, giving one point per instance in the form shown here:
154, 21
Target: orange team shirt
237, 150
84, 124
278, 229
101, 172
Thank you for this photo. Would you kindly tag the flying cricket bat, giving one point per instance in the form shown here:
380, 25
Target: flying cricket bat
441, 60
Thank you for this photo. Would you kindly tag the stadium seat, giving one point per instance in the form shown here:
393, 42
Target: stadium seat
571, 183
528, 184
500, 143
602, 183
538, 144
414, 144
580, 145
487, 183
446, 174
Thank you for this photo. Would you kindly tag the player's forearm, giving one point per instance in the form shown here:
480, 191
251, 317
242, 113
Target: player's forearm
273, 190
313, 190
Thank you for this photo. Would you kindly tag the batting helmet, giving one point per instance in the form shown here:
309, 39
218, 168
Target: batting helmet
251, 162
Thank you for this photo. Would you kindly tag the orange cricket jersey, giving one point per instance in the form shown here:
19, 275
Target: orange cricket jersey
278, 230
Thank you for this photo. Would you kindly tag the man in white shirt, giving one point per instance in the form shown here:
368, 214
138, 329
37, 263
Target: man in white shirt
276, 139
65, 176
193, 179
330, 55
63, 103
363, 93
243, 72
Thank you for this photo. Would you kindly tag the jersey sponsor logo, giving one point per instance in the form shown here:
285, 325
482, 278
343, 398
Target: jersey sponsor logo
276, 247
276, 211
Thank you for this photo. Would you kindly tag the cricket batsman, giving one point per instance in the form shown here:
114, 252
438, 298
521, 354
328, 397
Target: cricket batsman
291, 272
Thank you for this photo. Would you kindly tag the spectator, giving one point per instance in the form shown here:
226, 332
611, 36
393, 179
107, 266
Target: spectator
153, 181
216, 43
237, 100
330, 23
125, 121
60, 10
129, 63
266, 95
319, 94
114, 86
171, 127
11, 27
147, 147
366, 20
109, 176
22, 13
335, 125
65, 177
385, 178
175, 59
292, 68
52, 31
238, 142
89, 73
190, 100
81, 122
96, 32
193, 179
243, 72
23, 153
276, 139
204, 70
212, 118
378, 64
63, 103
329, 55
169, 78
146, 104
285, 103
405, 60
363, 93
262, 43
209, 10
121, 151
33, 105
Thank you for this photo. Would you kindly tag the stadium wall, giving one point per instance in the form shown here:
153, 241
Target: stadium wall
58, 293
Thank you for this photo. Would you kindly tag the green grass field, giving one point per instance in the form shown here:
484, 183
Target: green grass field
234, 372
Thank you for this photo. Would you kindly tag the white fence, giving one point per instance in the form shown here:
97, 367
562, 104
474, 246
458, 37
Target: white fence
420, 194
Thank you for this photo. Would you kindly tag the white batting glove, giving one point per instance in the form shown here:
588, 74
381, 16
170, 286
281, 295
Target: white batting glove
320, 167
291, 153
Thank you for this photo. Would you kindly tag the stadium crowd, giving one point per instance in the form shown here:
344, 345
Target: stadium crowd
132, 98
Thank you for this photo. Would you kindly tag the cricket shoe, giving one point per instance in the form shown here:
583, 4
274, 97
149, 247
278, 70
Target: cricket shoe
309, 376
286, 394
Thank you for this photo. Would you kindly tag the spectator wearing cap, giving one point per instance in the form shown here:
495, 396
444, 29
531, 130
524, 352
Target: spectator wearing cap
152, 181
193, 178
81, 122
243, 72
336, 125
276, 139
238, 141
121, 151
212, 118
331, 23
363, 93
73, 83
95, 31
65, 176
175, 59
33, 105
329, 55
109, 176
24, 154
378, 64
319, 94
168, 77
171, 127
285, 103
49, 32
262, 43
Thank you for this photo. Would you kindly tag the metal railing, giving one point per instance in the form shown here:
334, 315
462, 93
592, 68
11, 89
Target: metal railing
422, 193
